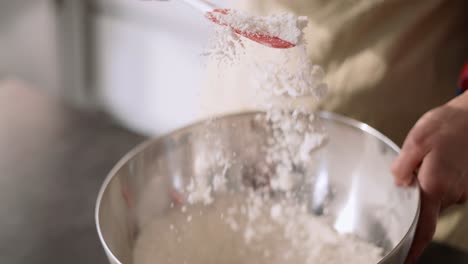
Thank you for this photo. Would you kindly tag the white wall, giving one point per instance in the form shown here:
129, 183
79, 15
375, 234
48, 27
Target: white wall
28, 43
148, 63
143, 57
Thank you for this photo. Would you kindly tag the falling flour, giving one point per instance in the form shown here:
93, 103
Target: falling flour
254, 227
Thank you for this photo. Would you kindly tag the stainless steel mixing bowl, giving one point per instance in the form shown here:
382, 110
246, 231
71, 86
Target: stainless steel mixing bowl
351, 172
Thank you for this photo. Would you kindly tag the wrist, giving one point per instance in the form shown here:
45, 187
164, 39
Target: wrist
460, 102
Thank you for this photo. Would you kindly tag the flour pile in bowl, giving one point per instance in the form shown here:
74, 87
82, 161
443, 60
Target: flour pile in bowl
265, 224
234, 230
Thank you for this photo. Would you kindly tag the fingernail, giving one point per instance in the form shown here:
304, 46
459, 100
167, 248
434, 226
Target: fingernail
399, 183
403, 182
409, 182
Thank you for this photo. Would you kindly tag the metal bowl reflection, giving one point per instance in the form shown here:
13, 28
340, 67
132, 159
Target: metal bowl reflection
354, 165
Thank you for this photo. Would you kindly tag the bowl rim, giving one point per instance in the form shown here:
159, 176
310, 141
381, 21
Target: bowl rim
322, 114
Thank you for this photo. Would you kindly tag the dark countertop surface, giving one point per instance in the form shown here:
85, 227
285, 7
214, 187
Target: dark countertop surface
53, 160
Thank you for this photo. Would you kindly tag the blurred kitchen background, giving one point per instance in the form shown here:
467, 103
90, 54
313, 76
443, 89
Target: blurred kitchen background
81, 83
138, 60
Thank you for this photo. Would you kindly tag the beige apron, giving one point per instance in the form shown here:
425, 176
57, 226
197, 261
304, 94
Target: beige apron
387, 63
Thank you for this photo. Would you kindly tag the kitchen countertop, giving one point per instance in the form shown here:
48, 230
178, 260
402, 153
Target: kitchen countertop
53, 160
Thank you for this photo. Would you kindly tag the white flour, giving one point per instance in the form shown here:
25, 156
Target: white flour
285, 26
289, 75
255, 228
226, 46
243, 230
